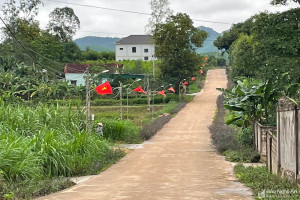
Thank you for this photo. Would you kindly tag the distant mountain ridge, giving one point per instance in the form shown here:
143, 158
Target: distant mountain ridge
108, 43
97, 43
208, 45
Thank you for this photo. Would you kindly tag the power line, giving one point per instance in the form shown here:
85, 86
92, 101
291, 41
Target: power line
26, 50
128, 11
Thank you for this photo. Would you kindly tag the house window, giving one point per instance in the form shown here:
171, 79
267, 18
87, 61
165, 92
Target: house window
146, 50
73, 82
146, 58
133, 49
121, 49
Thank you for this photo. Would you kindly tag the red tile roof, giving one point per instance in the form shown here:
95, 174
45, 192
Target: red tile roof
76, 68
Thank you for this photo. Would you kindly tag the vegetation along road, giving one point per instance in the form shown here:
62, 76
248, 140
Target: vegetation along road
178, 163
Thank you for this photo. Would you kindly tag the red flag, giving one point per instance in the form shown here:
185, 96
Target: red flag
162, 93
193, 78
171, 89
185, 83
139, 89
104, 88
201, 71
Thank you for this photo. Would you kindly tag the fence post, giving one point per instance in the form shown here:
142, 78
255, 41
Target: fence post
278, 141
297, 145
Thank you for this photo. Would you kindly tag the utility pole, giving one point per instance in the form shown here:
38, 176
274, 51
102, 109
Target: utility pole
88, 101
121, 108
153, 63
148, 93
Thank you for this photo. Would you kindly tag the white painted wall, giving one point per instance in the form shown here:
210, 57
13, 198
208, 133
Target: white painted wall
79, 78
124, 52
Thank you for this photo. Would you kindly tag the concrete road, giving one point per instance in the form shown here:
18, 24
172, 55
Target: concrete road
178, 163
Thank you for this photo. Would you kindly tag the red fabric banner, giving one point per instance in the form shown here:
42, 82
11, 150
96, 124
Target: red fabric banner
171, 89
139, 89
162, 93
104, 88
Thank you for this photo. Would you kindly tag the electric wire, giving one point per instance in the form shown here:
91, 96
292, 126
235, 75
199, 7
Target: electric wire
128, 11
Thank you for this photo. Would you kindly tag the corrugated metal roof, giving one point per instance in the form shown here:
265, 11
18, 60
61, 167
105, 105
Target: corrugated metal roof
137, 39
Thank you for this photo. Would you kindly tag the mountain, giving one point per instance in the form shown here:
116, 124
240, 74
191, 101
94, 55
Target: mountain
97, 43
108, 44
208, 45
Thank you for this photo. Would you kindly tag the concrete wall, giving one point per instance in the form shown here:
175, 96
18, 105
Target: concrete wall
271, 152
261, 139
79, 78
143, 51
287, 140
281, 151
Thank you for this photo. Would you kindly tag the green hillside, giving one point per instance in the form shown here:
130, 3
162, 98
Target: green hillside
97, 43
108, 44
208, 45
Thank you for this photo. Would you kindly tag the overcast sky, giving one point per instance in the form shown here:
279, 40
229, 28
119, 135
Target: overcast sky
110, 23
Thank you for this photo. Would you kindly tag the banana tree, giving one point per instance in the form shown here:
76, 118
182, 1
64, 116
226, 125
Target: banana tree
247, 102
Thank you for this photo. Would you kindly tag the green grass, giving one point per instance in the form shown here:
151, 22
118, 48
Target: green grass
259, 179
45, 143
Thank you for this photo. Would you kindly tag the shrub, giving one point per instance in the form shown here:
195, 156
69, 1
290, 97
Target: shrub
223, 137
237, 147
242, 155
151, 129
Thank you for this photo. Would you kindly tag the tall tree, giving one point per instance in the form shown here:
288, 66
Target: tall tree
160, 12
283, 2
176, 41
64, 23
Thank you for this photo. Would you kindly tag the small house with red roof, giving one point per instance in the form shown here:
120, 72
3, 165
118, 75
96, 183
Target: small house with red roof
75, 73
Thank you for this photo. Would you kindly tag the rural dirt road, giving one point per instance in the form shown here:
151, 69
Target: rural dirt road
177, 163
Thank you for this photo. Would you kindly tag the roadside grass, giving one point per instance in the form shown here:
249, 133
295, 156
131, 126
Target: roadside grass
266, 185
41, 146
45, 143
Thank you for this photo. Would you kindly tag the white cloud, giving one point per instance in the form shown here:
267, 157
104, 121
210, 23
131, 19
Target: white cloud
114, 23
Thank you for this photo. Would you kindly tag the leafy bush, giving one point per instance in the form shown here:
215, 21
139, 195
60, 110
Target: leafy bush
223, 137
242, 155
259, 179
151, 129
177, 108
237, 147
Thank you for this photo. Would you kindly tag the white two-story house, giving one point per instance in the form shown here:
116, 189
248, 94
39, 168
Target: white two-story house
135, 47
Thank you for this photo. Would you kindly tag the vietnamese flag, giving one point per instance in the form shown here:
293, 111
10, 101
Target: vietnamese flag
162, 93
104, 88
185, 83
193, 78
201, 71
171, 89
139, 89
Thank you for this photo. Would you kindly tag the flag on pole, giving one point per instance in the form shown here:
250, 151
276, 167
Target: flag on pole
193, 78
185, 83
162, 93
104, 88
139, 89
171, 89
